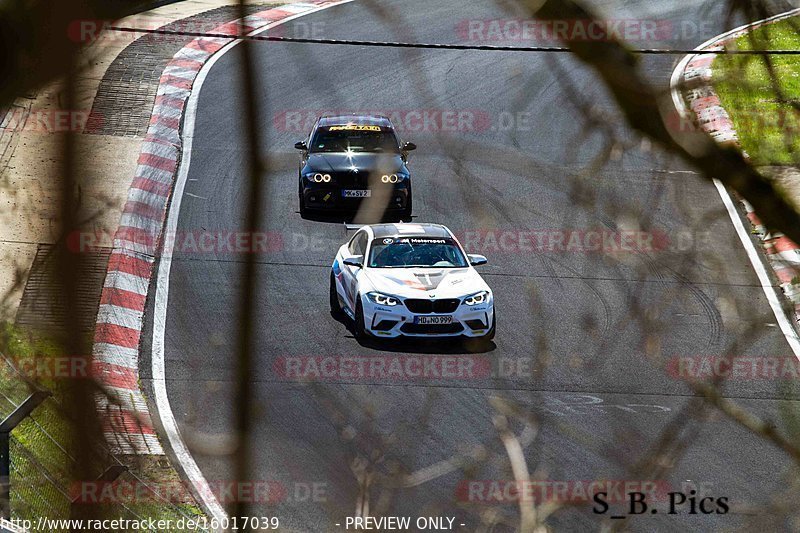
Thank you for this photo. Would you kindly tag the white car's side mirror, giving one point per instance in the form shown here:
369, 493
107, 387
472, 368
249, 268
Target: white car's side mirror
477, 260
356, 261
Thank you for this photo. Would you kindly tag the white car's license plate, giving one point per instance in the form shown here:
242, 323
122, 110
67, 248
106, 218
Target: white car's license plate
357, 194
433, 320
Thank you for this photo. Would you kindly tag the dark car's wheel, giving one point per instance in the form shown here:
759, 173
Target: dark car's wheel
358, 324
406, 214
336, 308
303, 209
409, 208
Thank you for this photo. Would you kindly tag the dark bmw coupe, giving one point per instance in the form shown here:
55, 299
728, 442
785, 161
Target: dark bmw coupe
348, 160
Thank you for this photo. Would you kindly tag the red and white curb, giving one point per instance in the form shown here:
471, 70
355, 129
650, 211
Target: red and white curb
127, 422
694, 74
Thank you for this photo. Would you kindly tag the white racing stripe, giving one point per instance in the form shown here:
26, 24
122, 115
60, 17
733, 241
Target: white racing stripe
126, 282
190, 469
115, 355
119, 316
773, 298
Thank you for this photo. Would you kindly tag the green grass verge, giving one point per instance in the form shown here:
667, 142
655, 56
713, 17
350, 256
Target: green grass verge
39, 467
767, 125
43, 445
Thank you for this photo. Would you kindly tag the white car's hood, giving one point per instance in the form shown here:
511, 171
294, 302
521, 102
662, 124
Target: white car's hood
425, 282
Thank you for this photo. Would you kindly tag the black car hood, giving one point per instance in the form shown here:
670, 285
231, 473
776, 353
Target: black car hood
341, 162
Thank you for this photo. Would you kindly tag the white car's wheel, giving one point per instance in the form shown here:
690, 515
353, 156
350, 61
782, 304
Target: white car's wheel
489, 336
358, 326
336, 308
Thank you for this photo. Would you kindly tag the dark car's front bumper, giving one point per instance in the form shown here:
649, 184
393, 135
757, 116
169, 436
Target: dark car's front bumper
331, 198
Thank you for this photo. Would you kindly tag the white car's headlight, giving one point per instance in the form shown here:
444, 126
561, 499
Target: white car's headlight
477, 299
383, 299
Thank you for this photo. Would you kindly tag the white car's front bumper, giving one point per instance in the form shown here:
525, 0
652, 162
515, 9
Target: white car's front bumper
389, 322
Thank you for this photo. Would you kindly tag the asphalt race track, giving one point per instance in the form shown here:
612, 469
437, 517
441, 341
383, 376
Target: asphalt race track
590, 331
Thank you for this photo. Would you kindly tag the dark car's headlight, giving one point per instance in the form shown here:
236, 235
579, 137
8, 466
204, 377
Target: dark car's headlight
383, 299
393, 178
318, 177
477, 298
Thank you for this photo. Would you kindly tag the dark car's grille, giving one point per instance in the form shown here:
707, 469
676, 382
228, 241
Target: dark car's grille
349, 179
423, 307
432, 329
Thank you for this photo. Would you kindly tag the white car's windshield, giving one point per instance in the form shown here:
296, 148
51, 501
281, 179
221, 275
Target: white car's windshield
416, 252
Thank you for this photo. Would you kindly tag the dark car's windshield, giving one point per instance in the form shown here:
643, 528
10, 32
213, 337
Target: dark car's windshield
354, 138
419, 252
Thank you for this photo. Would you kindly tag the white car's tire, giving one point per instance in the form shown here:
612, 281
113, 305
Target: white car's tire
359, 328
336, 308
490, 336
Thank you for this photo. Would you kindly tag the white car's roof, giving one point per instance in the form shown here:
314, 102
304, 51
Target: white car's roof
410, 230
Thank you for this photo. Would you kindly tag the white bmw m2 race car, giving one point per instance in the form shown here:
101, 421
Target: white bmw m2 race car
411, 280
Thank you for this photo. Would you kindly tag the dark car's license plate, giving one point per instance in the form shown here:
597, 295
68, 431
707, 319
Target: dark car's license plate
356, 194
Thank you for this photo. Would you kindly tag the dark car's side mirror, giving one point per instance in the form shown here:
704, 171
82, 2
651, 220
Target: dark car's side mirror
356, 261
301, 145
477, 260
408, 147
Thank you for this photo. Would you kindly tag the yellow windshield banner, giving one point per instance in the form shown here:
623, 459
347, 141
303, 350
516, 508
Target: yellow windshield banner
355, 127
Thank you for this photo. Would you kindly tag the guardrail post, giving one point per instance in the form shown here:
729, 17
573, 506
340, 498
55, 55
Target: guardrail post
10, 422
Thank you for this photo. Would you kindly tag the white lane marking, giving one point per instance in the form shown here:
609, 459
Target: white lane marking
761, 271
164, 410
760, 268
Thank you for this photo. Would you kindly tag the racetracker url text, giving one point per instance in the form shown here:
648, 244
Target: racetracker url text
197, 523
